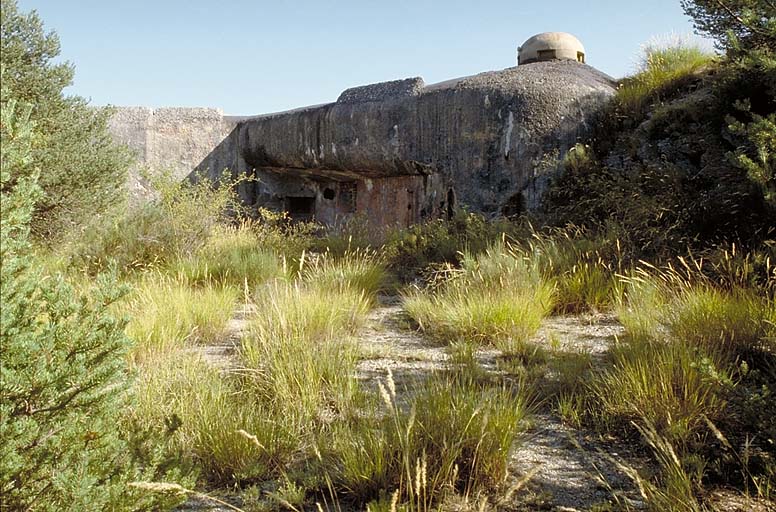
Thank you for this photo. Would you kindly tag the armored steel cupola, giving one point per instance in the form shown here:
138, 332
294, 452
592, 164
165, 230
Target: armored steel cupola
551, 46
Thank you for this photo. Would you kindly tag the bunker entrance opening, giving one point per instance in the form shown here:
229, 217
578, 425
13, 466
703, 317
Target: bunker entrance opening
300, 208
450, 204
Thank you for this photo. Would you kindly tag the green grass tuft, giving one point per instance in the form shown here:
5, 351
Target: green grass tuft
300, 348
167, 314
497, 298
234, 256
361, 271
662, 68
453, 434
204, 412
668, 384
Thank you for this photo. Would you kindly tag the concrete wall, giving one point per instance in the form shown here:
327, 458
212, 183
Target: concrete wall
491, 140
167, 139
489, 135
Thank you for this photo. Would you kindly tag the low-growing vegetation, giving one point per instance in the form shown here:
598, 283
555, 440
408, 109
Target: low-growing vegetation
235, 256
183, 347
663, 68
678, 379
498, 298
168, 314
453, 436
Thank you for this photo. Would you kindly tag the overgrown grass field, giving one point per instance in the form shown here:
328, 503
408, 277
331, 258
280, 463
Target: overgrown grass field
289, 424
694, 369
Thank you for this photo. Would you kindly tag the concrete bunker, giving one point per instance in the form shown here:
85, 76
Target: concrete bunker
331, 197
400, 152
551, 46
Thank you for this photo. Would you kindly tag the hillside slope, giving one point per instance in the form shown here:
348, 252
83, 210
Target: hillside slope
670, 164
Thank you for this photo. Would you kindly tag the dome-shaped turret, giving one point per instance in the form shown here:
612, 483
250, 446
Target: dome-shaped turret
551, 46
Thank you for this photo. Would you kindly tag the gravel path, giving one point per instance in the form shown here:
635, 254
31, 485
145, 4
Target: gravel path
387, 342
570, 469
573, 469
555, 467
222, 354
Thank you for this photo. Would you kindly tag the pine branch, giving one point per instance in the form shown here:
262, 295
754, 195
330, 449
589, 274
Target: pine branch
63, 403
755, 30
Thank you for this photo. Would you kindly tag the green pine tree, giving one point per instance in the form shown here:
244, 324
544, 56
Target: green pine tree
83, 169
735, 24
64, 386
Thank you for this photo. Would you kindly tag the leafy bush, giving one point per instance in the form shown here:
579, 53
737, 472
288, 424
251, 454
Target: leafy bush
624, 204
757, 156
277, 232
681, 158
176, 224
664, 204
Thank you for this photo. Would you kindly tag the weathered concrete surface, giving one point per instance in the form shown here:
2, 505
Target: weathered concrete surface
171, 140
550, 45
495, 137
332, 197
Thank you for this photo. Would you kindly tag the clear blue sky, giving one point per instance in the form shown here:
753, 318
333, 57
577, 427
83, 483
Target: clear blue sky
249, 57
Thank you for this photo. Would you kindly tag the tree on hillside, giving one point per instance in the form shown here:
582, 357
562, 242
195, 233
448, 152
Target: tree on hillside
746, 29
82, 171
746, 24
